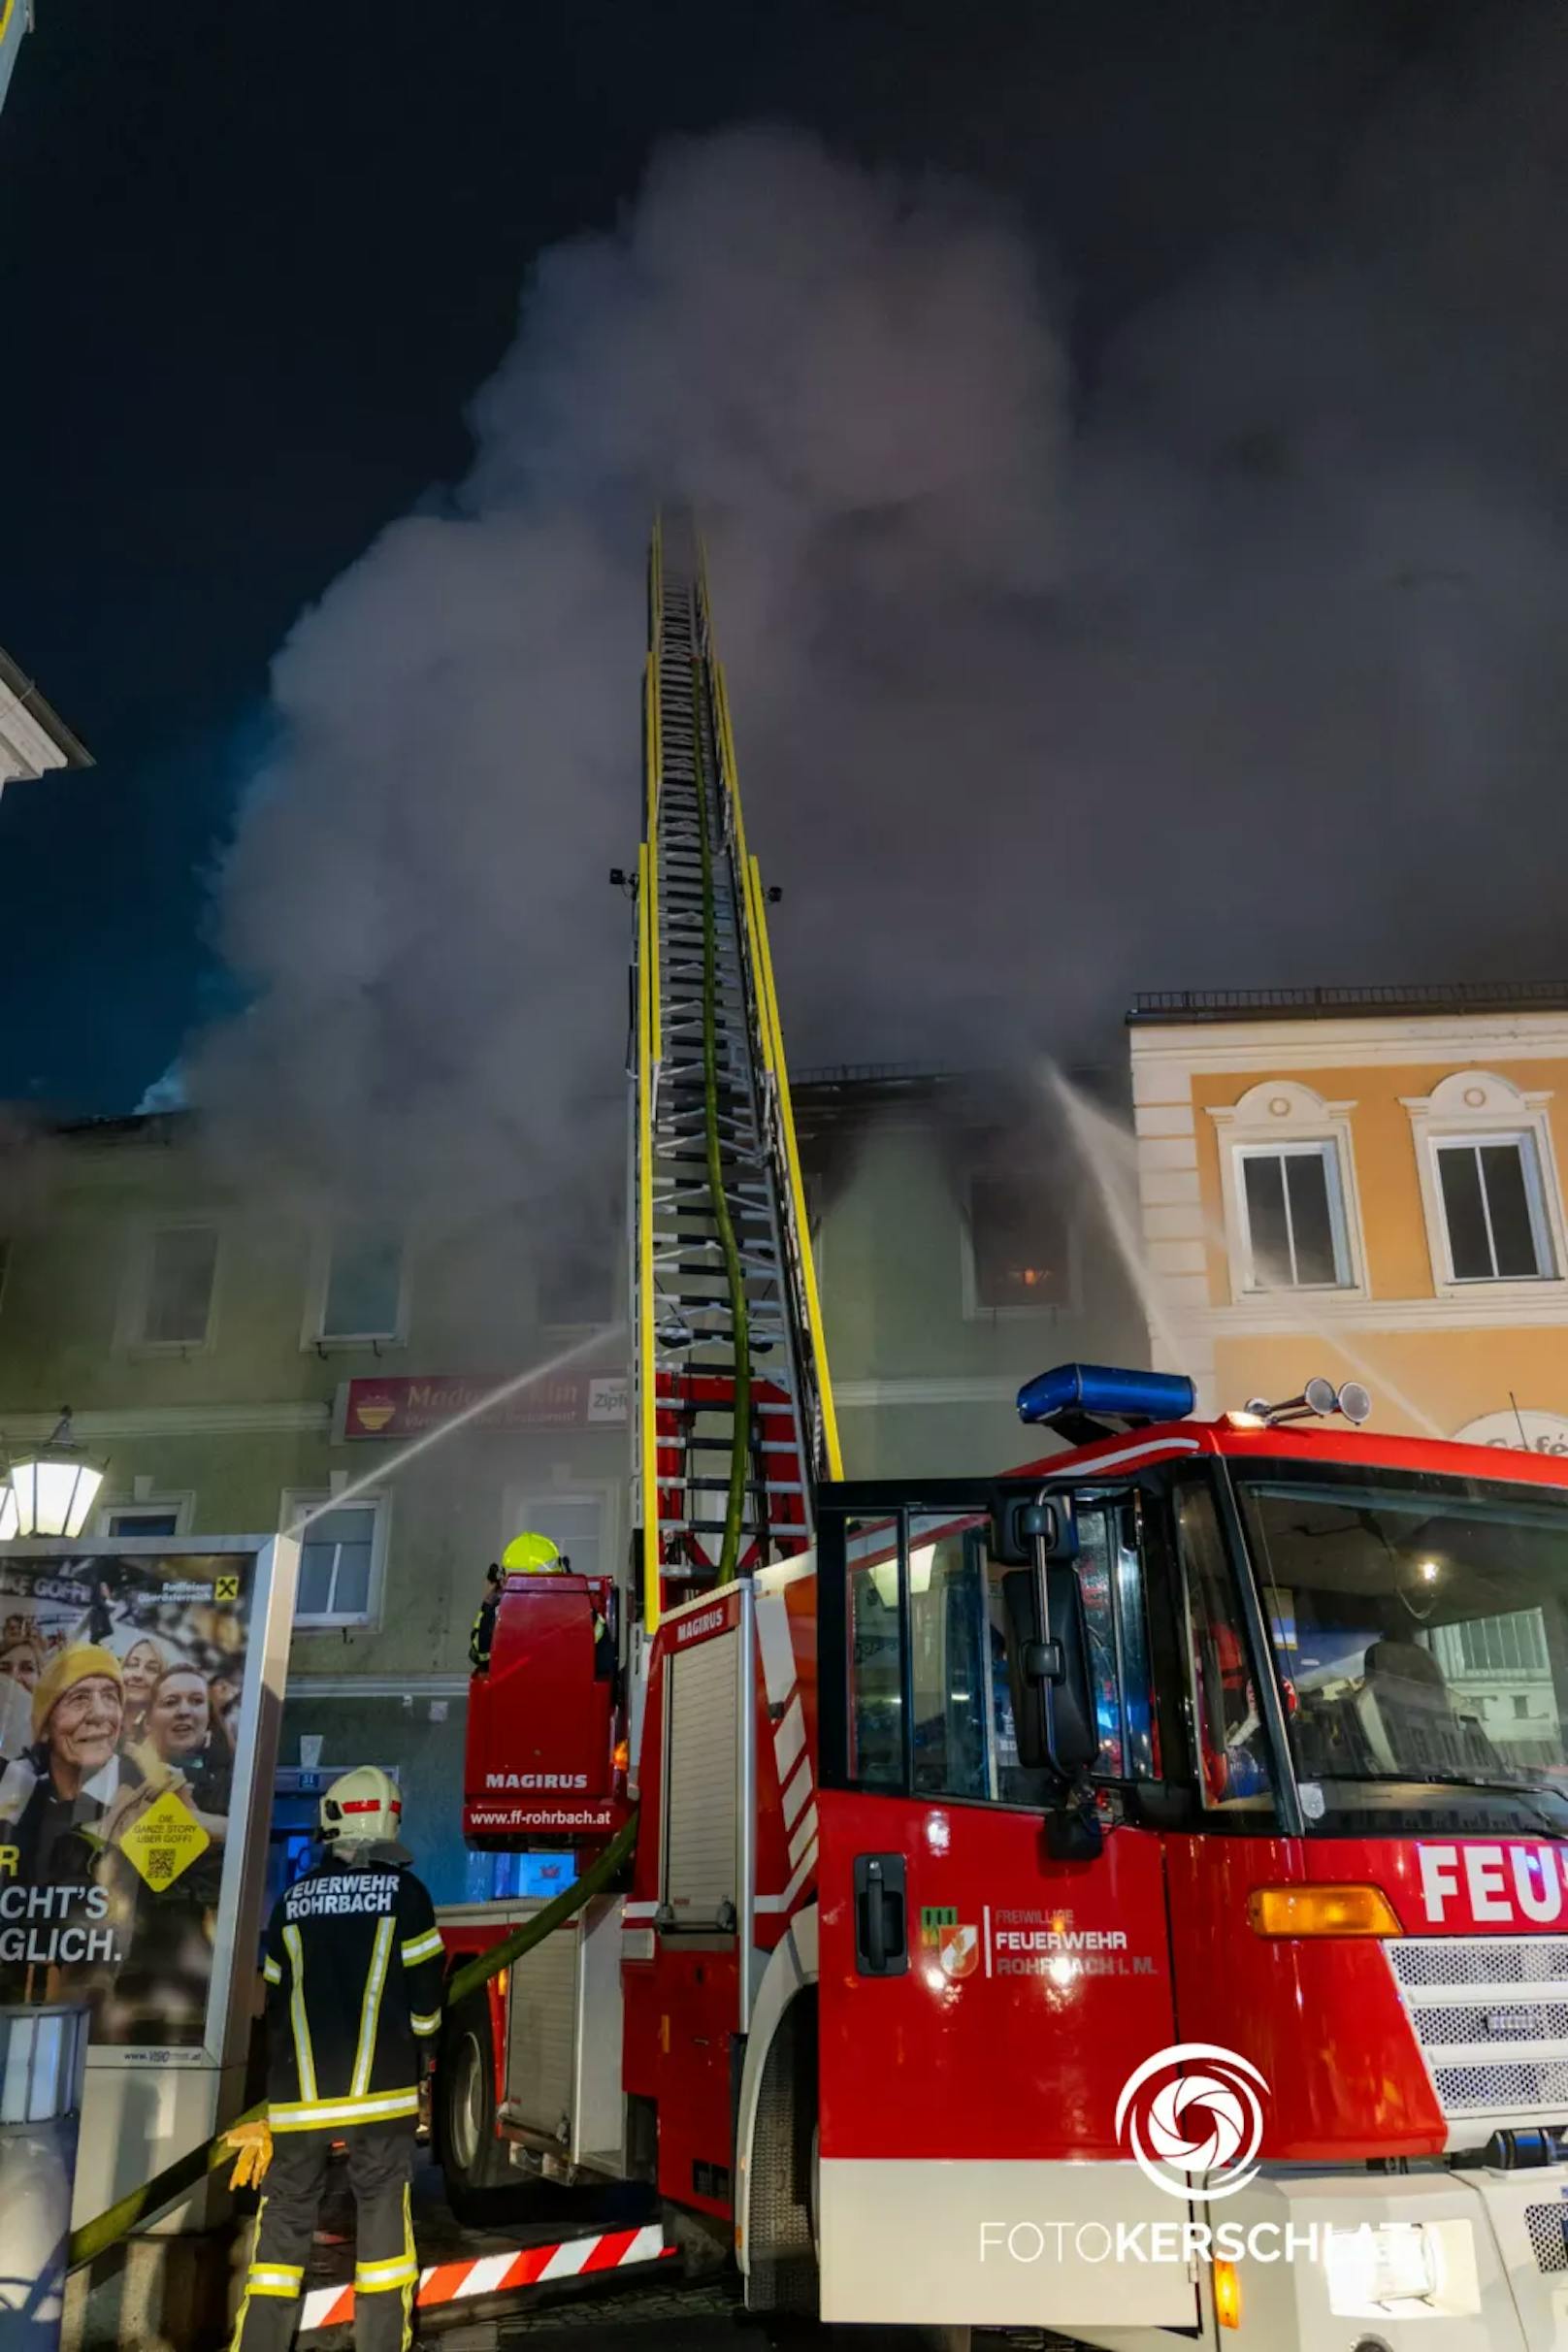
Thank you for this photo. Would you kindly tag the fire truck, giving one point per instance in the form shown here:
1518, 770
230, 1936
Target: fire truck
1127, 1895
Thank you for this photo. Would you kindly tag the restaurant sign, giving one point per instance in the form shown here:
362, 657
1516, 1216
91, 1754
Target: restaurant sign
407, 1406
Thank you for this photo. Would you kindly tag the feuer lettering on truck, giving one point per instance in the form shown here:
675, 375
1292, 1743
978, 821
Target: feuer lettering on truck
535, 1779
1066, 1939
1050, 1943
1499, 1884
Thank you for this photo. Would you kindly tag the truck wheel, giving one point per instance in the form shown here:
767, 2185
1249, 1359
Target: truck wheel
480, 2182
783, 2266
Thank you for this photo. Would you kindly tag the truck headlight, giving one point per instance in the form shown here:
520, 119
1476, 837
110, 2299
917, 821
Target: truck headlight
1382, 2264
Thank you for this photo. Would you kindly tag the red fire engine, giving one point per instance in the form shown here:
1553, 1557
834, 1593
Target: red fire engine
1128, 1895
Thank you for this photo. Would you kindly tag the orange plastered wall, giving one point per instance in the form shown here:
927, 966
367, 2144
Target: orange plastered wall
1393, 1225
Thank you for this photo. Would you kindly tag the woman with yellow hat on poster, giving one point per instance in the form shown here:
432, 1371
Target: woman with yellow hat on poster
64, 1782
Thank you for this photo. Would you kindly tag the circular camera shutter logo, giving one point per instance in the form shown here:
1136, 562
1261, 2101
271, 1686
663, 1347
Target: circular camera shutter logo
1192, 2118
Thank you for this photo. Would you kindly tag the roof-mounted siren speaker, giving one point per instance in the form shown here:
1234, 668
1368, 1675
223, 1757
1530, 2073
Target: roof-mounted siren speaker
1086, 1401
1317, 1401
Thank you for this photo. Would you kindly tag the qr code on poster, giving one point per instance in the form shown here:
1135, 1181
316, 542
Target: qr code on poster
160, 1863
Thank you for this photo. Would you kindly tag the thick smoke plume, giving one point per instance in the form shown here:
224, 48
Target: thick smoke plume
1238, 664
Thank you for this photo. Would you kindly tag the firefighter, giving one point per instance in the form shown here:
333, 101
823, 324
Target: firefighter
524, 1556
482, 1637
354, 1970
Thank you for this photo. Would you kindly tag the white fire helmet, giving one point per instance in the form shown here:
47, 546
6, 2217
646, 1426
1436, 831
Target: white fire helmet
363, 1805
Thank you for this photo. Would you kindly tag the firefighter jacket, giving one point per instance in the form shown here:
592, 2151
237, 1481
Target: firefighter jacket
354, 1970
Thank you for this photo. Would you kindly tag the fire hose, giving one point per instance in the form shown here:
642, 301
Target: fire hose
186, 2173
734, 1270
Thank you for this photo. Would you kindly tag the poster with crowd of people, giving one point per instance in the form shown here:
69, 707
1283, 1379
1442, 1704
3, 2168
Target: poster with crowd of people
121, 1684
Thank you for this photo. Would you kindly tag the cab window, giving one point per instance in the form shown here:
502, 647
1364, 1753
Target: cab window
932, 1710
1110, 1574
1232, 1740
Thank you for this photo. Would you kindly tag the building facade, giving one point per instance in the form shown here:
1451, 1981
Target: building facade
16, 19
33, 738
1367, 1187
242, 1369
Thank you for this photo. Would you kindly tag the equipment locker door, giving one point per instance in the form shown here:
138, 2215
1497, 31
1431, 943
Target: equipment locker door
981, 2003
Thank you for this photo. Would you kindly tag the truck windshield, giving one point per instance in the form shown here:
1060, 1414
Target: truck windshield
1420, 1627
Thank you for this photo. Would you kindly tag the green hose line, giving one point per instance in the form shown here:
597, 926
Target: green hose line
165, 2188
178, 2179
555, 1913
734, 1273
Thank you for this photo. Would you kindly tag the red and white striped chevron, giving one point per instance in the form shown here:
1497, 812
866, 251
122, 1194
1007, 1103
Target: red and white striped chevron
448, 2282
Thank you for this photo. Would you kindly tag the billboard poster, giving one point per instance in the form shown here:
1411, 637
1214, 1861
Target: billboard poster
121, 1677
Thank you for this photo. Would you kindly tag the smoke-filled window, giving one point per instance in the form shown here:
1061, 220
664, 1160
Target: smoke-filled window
1020, 1243
178, 1272
361, 1296
576, 1280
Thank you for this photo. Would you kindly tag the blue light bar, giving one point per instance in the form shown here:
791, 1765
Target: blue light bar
1098, 1389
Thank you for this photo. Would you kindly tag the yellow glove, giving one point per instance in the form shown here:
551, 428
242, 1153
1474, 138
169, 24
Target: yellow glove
254, 2141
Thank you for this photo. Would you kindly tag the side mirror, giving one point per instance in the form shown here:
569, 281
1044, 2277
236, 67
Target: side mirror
1052, 1692
1023, 1523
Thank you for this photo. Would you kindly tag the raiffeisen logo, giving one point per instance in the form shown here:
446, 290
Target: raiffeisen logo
1192, 2118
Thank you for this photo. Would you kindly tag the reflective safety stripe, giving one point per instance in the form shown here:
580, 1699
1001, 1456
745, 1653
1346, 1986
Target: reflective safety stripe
275, 2279
304, 2055
271, 1971
424, 2025
369, 2008
315, 2114
428, 1946
246, 2299
412, 2279
373, 2277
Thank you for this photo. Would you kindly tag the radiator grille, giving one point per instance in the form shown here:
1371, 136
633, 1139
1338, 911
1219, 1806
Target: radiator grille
1547, 2226
1503, 2052
1501, 2021
1480, 1960
1540, 2085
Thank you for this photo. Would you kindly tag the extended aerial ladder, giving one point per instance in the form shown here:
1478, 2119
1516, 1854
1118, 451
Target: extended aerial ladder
733, 1423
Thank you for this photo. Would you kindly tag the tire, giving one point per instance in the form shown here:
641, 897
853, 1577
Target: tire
482, 2187
782, 2222
783, 2266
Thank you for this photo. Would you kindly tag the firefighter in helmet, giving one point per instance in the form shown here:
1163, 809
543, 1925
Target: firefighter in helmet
354, 1970
529, 1555
524, 1555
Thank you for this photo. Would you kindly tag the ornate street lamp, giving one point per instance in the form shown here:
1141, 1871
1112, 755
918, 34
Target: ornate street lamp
49, 1489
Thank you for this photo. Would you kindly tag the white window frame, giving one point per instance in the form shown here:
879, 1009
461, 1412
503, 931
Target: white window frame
1326, 1152
975, 1309
1479, 1107
1523, 1141
136, 1291
147, 1506
313, 1339
295, 1502
521, 1504
1280, 1116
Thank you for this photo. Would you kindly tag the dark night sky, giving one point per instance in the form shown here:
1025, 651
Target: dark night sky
256, 260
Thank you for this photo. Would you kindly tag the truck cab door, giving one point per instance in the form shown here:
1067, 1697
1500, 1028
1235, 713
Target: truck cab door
981, 2002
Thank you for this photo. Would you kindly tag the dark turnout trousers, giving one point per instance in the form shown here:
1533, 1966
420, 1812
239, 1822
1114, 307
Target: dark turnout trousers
387, 2270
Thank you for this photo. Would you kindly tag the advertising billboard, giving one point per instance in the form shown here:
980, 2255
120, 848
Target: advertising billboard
120, 1683
140, 1692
